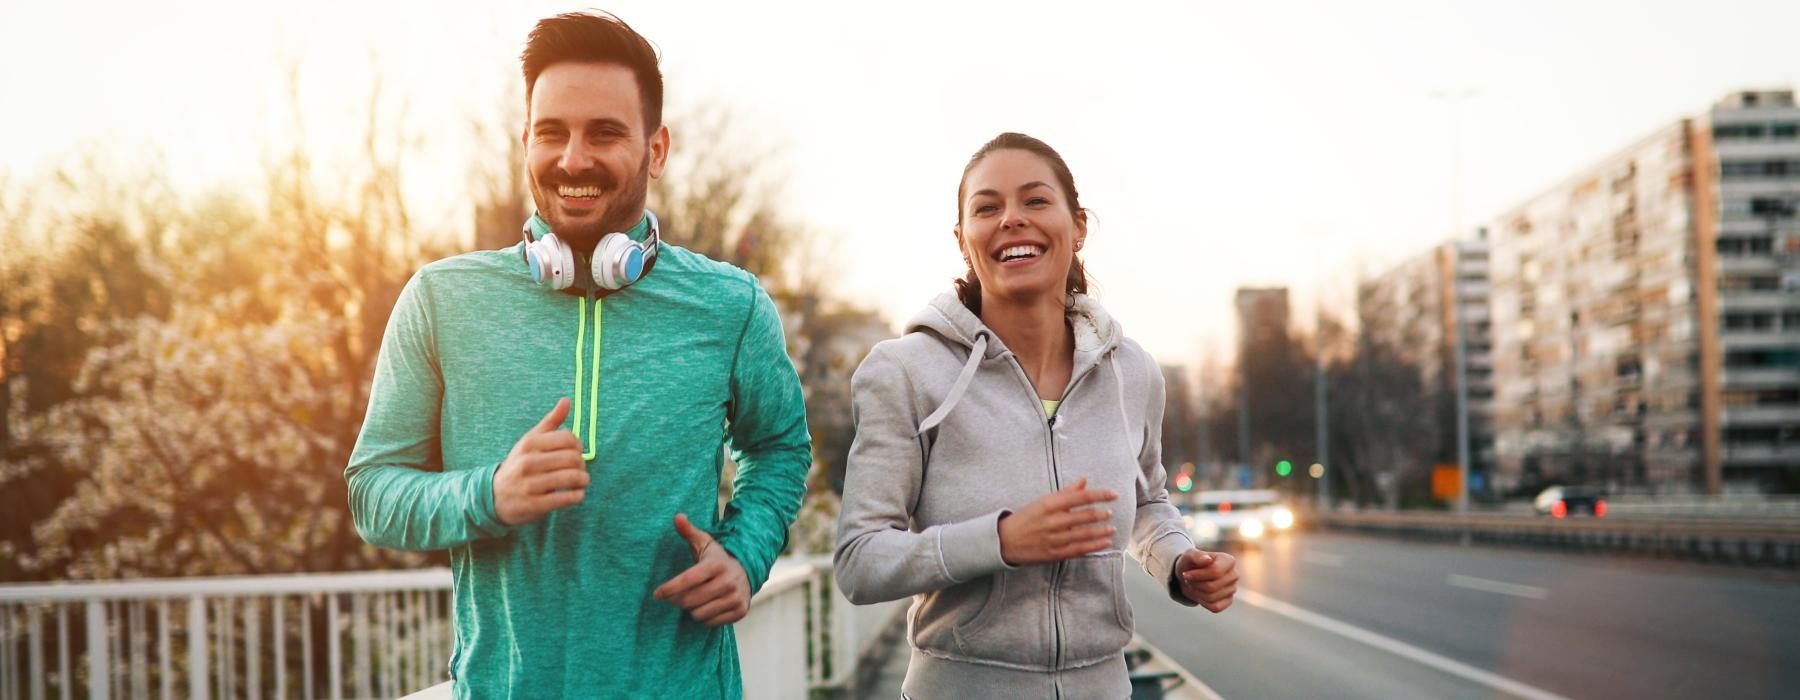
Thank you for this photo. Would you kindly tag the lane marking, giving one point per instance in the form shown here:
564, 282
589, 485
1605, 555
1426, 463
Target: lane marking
1501, 587
1397, 647
1322, 558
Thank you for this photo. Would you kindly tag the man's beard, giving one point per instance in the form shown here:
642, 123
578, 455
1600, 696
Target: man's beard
624, 208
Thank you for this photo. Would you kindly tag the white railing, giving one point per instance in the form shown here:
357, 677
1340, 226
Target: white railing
313, 635
802, 633
372, 634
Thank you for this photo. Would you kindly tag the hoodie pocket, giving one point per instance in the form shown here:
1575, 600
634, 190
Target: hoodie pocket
1001, 619
1096, 618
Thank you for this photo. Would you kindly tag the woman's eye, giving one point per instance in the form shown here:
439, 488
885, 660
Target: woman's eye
1037, 201
985, 208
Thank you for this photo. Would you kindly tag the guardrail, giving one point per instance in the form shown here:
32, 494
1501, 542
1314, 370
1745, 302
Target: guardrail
1756, 542
316, 635
369, 634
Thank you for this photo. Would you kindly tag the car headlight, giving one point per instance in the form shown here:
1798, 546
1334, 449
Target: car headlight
1282, 519
1251, 529
1205, 530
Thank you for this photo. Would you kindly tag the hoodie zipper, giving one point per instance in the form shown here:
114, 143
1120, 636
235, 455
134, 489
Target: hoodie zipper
590, 446
1056, 570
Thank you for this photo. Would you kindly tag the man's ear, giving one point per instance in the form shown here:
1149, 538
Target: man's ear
659, 151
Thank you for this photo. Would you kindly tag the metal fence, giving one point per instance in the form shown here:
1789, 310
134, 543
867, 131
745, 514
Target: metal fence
373, 634
313, 635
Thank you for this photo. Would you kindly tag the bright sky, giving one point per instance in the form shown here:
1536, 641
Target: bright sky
1221, 144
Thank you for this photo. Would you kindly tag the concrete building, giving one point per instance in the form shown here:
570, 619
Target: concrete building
1646, 312
1413, 311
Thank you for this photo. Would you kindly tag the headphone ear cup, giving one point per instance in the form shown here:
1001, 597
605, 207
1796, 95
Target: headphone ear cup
612, 261
561, 261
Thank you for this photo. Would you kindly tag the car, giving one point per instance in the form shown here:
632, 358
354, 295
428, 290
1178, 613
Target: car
1565, 501
1241, 516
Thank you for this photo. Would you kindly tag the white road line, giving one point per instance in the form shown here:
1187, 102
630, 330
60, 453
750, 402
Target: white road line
1501, 587
1322, 558
1397, 647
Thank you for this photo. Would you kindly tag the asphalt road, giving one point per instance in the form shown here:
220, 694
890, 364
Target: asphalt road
1330, 616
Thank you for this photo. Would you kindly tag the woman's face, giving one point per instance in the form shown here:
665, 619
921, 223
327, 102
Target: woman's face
1017, 230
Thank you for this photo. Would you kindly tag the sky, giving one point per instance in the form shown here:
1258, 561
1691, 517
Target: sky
1219, 144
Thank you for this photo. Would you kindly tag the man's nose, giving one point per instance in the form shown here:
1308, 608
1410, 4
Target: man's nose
577, 156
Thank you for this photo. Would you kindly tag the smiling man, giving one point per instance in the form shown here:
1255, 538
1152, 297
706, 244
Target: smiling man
554, 413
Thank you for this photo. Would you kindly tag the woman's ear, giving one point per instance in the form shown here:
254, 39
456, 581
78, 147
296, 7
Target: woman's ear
957, 229
1080, 229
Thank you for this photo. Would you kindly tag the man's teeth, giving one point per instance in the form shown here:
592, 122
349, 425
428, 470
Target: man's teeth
1021, 251
589, 191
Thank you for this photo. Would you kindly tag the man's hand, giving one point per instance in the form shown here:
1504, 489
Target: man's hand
1056, 527
544, 472
714, 590
1207, 578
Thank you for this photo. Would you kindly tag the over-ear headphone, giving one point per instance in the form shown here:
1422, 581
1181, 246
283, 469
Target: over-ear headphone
618, 260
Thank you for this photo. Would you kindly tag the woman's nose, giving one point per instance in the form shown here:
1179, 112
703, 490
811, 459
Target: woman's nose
1012, 219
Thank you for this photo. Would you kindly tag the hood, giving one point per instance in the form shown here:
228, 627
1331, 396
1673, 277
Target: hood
1096, 332
1097, 338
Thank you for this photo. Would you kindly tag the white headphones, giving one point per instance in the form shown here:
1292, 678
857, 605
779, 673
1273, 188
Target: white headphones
618, 260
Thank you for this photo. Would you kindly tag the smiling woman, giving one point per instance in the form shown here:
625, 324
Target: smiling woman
1052, 199
1009, 520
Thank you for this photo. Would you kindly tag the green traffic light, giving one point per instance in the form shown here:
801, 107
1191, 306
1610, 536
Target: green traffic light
1184, 483
1284, 468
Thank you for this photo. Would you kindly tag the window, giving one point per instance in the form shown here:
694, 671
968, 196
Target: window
1785, 131
1749, 283
1778, 358
1749, 321
1744, 245
1760, 168
1772, 207
1734, 132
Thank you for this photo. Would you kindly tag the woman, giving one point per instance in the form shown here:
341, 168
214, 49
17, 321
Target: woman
1008, 448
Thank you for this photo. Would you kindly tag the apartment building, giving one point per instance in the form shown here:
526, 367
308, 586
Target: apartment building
1646, 312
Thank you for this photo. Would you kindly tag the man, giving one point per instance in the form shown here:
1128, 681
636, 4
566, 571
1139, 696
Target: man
588, 556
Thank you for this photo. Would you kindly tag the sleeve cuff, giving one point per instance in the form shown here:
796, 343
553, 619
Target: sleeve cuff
971, 548
1160, 563
481, 507
754, 573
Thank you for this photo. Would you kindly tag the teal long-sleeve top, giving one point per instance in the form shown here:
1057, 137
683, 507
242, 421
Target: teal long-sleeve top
664, 377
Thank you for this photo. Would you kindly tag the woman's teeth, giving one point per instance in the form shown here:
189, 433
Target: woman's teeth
1020, 251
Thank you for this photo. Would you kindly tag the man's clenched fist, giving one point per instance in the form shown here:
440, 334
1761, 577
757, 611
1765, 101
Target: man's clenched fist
543, 472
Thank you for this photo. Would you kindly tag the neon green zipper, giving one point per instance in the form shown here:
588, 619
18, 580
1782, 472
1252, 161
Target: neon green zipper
593, 382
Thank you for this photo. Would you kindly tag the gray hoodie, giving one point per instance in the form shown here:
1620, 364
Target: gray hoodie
950, 435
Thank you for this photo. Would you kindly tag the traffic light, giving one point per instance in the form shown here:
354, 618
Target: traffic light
1284, 468
1183, 482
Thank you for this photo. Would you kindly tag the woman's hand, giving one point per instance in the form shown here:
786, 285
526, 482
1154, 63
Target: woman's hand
1055, 527
1208, 578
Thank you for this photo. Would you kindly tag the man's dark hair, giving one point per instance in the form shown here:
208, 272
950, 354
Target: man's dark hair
596, 37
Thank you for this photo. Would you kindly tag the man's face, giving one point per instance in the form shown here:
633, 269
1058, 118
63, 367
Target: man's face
588, 152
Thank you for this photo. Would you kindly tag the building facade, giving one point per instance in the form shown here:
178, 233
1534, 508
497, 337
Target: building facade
1641, 313
1415, 311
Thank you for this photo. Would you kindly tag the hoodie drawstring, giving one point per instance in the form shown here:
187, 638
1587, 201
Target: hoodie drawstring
1112, 358
977, 352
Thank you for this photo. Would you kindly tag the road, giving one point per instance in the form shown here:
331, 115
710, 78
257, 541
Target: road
1332, 616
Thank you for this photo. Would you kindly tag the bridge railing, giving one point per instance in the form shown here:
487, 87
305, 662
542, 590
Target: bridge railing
368, 634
